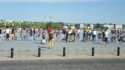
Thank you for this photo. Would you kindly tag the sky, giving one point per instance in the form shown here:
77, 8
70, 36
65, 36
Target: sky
69, 11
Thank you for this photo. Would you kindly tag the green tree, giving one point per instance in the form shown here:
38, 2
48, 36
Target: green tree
123, 26
99, 26
41, 25
16, 24
49, 24
54, 25
1, 24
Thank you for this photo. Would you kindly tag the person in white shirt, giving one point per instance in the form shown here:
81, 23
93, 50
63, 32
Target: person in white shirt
7, 33
70, 34
89, 34
78, 34
94, 35
106, 37
24, 34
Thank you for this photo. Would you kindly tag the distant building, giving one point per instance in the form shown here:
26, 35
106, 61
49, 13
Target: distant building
72, 26
65, 26
68, 25
81, 25
118, 26
110, 26
9, 21
2, 20
90, 26
61, 23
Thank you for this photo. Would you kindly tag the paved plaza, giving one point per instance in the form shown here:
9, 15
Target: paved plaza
77, 49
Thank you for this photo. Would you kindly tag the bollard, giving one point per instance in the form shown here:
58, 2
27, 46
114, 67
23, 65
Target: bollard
12, 53
64, 51
93, 51
39, 52
118, 51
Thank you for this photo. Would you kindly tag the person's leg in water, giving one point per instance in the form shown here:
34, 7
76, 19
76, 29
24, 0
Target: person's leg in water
106, 40
12, 36
8, 36
0, 37
83, 37
52, 43
77, 37
66, 38
49, 44
93, 37
73, 36
33, 36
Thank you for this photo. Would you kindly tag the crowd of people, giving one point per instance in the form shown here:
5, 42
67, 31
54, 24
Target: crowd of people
90, 34
66, 34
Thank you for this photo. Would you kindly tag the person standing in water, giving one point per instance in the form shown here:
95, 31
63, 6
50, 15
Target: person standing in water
13, 32
7, 33
51, 40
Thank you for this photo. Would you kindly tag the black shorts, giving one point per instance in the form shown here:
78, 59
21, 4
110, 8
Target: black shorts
7, 35
106, 39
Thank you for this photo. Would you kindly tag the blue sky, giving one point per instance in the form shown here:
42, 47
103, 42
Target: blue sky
73, 11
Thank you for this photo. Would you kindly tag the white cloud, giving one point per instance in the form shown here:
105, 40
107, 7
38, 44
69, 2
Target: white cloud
50, 1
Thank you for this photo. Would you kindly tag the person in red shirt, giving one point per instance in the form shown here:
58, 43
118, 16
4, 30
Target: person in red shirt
49, 30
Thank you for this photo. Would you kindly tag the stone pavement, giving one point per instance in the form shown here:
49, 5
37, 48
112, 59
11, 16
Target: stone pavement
65, 64
74, 50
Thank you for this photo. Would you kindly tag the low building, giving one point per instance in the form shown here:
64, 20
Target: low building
81, 25
72, 26
69, 25
118, 26
90, 26
110, 26
65, 26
